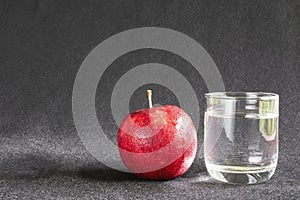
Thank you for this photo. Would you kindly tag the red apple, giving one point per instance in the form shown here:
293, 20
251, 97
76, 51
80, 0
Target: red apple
158, 143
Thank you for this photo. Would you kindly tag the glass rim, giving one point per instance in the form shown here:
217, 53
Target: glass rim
243, 95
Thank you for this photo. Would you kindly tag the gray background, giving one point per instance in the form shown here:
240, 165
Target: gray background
255, 45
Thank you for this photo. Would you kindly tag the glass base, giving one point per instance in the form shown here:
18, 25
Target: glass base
241, 174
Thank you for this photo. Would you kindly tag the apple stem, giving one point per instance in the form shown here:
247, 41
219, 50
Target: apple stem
149, 94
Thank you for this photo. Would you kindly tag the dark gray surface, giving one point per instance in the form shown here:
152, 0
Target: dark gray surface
255, 45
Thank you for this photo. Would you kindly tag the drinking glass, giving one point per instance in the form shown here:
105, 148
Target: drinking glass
241, 136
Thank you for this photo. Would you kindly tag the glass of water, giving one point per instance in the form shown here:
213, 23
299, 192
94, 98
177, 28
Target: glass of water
241, 136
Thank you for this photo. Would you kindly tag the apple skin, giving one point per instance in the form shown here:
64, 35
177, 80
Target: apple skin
158, 143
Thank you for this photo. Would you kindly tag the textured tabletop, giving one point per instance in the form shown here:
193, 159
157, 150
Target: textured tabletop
255, 45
